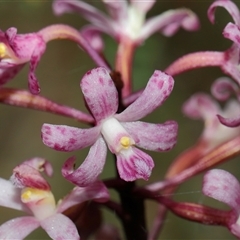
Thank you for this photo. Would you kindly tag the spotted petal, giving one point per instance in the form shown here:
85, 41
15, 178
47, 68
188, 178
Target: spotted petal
96, 191
100, 93
18, 228
155, 137
222, 186
59, 227
90, 169
133, 164
158, 89
67, 139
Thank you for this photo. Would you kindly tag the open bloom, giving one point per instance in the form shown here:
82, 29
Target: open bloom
28, 191
232, 32
127, 20
121, 132
18, 49
224, 187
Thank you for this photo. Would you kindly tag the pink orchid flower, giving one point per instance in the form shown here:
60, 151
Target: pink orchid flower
224, 187
18, 49
232, 32
127, 20
202, 106
120, 131
28, 191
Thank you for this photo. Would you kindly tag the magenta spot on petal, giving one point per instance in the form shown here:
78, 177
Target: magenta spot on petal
101, 81
212, 189
72, 140
88, 72
160, 84
58, 147
155, 74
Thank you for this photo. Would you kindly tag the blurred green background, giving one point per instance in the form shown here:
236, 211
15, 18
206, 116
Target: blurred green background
60, 71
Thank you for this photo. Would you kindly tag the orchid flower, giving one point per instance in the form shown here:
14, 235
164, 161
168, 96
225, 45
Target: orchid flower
221, 89
127, 20
224, 187
15, 51
203, 106
232, 32
28, 191
18, 49
120, 131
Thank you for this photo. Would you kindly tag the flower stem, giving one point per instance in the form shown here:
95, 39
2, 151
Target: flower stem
196, 60
23, 98
218, 155
124, 61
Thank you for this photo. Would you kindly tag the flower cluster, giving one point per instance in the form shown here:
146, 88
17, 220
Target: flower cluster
114, 120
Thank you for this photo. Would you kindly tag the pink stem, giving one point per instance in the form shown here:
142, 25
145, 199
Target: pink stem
196, 60
23, 98
218, 155
124, 63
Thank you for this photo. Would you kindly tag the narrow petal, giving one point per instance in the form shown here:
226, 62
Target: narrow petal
222, 186
33, 83
155, 137
89, 12
60, 227
10, 196
169, 22
117, 9
90, 169
158, 89
229, 6
18, 228
133, 164
230, 122
67, 139
96, 191
100, 93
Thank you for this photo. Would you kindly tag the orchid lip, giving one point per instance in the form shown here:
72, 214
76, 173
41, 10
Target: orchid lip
115, 135
41, 202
